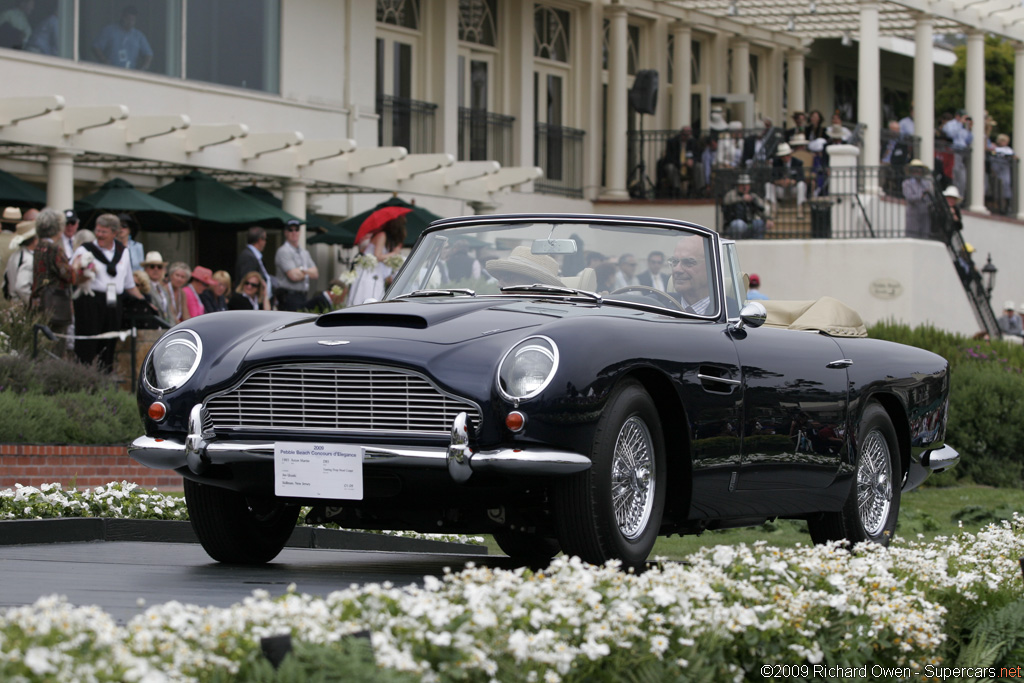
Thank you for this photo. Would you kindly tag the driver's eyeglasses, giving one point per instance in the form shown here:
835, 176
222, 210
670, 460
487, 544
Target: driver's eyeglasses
685, 262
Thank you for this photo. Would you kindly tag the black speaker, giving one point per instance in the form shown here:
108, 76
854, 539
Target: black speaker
644, 94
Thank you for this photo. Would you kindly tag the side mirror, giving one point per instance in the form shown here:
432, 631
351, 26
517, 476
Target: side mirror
753, 314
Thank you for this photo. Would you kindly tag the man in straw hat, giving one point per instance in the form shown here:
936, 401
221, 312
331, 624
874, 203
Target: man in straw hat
918, 191
787, 179
11, 217
744, 211
522, 267
156, 268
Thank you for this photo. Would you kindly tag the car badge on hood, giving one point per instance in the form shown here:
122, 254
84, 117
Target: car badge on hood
331, 342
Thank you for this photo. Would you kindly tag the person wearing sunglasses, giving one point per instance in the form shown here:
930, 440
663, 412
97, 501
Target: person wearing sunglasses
295, 268
250, 295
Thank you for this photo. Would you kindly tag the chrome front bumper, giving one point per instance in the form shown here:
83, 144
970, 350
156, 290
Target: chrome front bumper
931, 462
200, 450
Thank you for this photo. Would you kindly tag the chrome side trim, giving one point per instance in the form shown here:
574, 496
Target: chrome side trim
720, 380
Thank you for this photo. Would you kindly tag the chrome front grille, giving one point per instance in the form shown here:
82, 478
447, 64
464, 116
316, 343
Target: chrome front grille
338, 397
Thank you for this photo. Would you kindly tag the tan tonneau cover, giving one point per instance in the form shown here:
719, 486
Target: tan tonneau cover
826, 314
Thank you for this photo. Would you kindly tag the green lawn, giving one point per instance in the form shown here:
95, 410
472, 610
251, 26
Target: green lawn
930, 512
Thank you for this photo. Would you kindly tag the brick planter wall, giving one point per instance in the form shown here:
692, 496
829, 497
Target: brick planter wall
79, 466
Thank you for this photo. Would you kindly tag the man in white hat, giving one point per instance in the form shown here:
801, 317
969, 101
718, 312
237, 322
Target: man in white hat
918, 191
1010, 322
11, 217
787, 179
156, 269
744, 211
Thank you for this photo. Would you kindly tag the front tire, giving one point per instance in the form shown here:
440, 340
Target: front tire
614, 509
872, 508
236, 529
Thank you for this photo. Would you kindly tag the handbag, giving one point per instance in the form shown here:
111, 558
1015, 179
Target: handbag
57, 304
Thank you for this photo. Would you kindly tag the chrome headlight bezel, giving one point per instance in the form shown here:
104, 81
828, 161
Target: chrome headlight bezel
513, 359
176, 340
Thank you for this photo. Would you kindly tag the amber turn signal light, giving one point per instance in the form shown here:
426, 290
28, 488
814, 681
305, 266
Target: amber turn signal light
515, 421
157, 411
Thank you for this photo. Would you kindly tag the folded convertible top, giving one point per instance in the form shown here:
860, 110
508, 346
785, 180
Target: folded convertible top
826, 314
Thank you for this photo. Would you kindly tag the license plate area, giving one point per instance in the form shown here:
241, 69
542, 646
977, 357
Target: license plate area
313, 470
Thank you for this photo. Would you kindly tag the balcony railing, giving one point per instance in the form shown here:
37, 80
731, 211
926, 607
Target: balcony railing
858, 201
484, 136
406, 123
559, 152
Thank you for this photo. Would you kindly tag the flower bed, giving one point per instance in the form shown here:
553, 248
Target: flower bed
817, 612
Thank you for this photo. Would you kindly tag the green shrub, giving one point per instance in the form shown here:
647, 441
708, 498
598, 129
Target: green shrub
105, 417
49, 376
955, 348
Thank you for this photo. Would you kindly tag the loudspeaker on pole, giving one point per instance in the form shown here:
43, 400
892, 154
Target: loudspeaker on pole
644, 93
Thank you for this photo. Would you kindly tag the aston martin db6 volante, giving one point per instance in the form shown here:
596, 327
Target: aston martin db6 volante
524, 377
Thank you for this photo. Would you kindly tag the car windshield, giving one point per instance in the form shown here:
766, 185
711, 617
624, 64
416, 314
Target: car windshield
619, 261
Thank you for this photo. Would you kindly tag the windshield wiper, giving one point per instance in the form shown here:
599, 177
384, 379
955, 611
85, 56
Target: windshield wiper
438, 292
552, 289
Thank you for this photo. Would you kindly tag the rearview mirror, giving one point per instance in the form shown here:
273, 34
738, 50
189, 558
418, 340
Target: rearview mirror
553, 246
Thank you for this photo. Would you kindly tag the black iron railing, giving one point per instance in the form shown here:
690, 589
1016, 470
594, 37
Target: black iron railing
559, 152
485, 136
406, 123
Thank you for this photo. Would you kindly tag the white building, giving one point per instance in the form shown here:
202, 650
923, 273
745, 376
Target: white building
465, 105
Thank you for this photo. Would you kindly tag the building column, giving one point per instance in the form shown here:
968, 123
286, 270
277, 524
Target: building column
869, 86
1018, 119
975, 100
521, 87
293, 200
60, 180
615, 141
741, 68
924, 88
795, 86
682, 82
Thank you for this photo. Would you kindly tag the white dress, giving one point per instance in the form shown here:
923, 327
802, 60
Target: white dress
369, 283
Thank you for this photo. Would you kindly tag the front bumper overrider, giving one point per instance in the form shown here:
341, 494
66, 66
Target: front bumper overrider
200, 450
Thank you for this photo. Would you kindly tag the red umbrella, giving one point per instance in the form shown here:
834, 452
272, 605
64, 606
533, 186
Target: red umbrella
376, 220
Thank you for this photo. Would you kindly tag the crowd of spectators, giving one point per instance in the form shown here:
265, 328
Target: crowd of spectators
92, 284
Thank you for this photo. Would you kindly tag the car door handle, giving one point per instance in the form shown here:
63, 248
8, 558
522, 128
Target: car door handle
711, 378
841, 363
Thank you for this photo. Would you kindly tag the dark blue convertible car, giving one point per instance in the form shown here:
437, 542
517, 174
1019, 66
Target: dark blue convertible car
514, 382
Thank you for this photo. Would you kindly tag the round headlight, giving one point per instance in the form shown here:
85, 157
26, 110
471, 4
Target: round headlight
174, 360
527, 368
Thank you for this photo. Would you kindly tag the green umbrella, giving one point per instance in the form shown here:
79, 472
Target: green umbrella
120, 196
16, 192
318, 223
214, 202
344, 233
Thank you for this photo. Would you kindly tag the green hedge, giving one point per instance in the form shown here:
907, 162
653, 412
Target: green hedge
986, 414
106, 417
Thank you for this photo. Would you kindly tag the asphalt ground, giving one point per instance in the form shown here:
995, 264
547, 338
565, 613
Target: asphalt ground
124, 566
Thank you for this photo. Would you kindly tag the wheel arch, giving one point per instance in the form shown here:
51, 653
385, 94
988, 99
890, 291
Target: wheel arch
672, 415
900, 422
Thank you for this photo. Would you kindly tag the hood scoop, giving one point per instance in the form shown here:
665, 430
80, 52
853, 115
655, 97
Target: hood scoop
367, 319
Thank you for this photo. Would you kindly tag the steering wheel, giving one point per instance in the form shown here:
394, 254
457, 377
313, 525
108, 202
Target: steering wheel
644, 289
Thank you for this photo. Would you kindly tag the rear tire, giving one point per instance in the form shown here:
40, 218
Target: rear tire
614, 509
872, 508
236, 529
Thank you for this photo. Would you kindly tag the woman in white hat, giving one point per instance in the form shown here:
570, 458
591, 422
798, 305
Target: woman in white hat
18, 271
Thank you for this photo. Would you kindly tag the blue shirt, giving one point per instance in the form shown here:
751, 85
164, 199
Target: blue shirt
122, 48
754, 295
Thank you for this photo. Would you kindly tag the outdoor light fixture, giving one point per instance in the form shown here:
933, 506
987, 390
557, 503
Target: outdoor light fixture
791, 24
990, 276
733, 9
847, 40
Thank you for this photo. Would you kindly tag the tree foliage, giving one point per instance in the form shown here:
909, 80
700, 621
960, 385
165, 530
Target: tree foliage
999, 72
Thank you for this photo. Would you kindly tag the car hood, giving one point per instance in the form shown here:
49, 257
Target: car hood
437, 321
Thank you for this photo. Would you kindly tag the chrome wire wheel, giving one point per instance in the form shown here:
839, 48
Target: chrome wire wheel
633, 478
874, 483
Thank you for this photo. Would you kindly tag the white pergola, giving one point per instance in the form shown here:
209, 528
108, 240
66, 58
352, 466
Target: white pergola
62, 136
866, 21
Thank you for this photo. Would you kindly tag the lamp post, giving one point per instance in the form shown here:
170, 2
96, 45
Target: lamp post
990, 276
